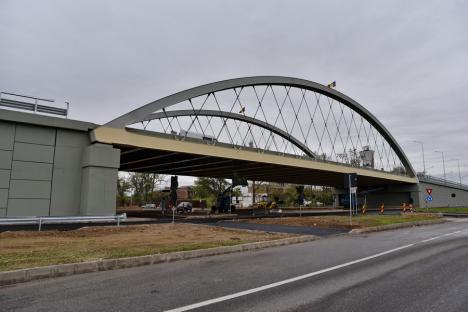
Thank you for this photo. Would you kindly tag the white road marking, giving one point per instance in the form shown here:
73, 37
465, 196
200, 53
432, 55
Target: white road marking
440, 236
301, 277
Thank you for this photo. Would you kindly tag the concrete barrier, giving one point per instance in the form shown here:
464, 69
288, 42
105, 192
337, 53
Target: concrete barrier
25, 275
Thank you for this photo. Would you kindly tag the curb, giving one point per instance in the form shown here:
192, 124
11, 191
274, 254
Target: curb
455, 215
395, 226
25, 275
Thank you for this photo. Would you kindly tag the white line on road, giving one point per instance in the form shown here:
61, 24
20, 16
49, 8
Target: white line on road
301, 277
440, 236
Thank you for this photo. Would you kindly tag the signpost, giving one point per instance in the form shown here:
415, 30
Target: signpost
350, 181
428, 197
173, 208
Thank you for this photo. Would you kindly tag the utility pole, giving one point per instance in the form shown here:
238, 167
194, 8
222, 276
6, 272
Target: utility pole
443, 163
253, 192
350, 201
459, 171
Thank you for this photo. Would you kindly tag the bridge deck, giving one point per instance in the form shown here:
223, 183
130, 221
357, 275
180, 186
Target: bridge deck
145, 151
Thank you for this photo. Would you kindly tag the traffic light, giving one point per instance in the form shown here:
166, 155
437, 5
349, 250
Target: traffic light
350, 178
174, 185
238, 180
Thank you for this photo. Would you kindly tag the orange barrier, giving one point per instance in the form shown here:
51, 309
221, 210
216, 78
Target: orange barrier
364, 209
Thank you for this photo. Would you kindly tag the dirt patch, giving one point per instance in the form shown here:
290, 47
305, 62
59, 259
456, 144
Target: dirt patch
25, 249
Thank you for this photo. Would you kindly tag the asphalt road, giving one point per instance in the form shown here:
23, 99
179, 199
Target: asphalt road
280, 228
416, 269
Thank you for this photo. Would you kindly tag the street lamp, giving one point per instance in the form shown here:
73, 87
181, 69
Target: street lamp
424, 161
443, 163
459, 171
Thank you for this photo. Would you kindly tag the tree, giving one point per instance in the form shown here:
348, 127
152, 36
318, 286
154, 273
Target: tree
204, 187
123, 187
321, 194
300, 194
144, 184
209, 188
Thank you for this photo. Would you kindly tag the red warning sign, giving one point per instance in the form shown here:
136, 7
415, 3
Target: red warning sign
429, 191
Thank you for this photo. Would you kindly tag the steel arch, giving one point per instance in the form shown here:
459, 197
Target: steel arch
143, 112
214, 113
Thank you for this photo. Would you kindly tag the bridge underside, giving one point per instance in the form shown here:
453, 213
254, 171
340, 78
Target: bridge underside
143, 151
177, 163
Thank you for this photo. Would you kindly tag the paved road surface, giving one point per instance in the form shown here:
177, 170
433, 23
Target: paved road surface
303, 230
417, 269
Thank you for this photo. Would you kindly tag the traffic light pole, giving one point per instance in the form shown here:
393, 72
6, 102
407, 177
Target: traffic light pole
350, 201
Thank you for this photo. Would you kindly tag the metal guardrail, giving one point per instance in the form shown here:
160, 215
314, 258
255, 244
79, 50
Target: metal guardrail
33, 107
431, 179
49, 220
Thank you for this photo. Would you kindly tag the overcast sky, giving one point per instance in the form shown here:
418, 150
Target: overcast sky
405, 61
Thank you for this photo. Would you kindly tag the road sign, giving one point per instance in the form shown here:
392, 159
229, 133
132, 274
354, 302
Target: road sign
428, 198
353, 189
429, 191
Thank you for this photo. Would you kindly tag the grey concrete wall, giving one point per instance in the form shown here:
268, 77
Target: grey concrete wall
394, 195
442, 195
46, 170
67, 172
99, 180
7, 139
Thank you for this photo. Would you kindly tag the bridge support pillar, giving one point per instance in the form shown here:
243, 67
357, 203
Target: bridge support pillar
99, 179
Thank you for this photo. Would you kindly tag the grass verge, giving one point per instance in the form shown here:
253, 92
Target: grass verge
444, 210
25, 249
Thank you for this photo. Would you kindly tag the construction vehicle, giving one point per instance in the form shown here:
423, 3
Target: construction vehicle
265, 203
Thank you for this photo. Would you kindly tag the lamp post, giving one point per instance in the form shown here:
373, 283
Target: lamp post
443, 163
459, 171
424, 160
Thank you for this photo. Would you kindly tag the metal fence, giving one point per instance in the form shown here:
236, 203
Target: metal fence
17, 101
442, 182
58, 220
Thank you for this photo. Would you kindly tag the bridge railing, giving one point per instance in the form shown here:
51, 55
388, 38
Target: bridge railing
440, 181
23, 102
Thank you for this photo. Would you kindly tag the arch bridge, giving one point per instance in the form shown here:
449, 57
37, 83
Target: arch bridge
265, 128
